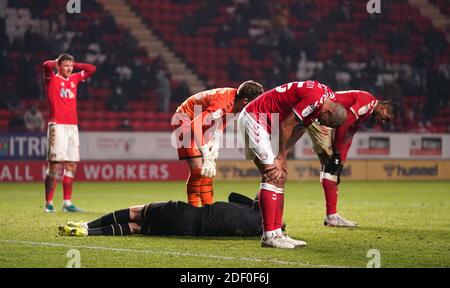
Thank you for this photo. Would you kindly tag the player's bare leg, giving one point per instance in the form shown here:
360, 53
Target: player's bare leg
271, 202
50, 186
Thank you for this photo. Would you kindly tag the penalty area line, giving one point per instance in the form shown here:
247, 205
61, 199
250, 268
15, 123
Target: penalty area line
172, 253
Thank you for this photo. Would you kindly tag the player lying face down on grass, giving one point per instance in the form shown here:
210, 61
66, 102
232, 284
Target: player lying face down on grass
332, 145
290, 105
240, 216
206, 112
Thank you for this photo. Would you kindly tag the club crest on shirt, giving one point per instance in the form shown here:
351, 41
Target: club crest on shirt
308, 110
63, 84
72, 85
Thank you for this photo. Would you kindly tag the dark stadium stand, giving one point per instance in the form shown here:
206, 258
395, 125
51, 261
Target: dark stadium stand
92, 37
394, 56
444, 6
405, 59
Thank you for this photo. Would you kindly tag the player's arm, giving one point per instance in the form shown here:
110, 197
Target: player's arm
211, 121
206, 121
48, 67
86, 69
286, 133
210, 149
341, 144
297, 133
343, 133
280, 164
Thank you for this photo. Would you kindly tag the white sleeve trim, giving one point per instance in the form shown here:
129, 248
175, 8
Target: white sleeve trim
354, 113
298, 115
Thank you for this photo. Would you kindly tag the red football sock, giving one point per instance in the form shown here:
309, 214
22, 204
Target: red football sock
279, 211
50, 187
67, 187
268, 205
330, 188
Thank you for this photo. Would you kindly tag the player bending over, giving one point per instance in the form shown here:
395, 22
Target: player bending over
294, 104
201, 152
62, 132
332, 145
240, 216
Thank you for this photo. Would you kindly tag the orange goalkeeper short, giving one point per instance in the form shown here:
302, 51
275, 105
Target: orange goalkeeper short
189, 148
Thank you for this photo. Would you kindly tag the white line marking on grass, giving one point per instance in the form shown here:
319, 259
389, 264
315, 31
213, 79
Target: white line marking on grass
172, 253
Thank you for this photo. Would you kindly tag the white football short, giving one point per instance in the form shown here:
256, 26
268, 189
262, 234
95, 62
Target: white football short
321, 138
63, 143
257, 140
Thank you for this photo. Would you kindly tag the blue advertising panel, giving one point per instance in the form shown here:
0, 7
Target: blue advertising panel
23, 146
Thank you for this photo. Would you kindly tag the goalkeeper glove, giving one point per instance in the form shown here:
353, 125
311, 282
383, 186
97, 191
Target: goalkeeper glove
209, 165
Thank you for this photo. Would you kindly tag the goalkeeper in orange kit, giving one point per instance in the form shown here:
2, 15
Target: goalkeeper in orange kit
199, 124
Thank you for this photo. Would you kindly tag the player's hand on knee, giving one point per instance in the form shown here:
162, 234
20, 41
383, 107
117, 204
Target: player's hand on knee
273, 173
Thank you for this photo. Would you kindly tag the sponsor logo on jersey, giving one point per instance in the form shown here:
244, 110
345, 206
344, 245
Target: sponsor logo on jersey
67, 93
367, 108
363, 110
308, 110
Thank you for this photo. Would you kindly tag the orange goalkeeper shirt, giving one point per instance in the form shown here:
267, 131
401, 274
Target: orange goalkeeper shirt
218, 101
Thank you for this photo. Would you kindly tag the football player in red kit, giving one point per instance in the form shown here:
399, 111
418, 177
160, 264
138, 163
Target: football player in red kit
62, 131
287, 107
332, 145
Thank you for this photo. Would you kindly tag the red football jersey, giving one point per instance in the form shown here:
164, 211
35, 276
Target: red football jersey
305, 99
359, 105
62, 92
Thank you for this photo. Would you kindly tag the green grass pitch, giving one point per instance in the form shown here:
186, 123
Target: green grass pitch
408, 222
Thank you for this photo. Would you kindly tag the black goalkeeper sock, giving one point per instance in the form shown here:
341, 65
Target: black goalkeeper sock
111, 230
116, 217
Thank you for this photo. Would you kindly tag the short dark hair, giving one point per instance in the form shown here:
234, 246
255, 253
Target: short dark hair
249, 89
65, 57
339, 114
392, 106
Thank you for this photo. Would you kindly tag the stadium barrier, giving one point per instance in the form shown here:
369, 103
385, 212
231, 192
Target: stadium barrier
157, 146
34, 171
127, 156
382, 146
353, 170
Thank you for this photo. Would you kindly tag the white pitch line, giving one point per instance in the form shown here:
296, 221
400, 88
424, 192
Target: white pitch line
172, 253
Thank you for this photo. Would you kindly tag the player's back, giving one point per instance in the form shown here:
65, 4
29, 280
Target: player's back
307, 96
170, 218
360, 103
230, 219
209, 100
